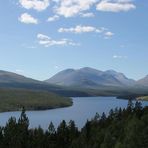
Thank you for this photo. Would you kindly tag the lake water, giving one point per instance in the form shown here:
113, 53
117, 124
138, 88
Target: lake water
83, 108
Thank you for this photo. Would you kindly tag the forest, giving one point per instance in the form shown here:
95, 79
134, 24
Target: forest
15, 99
121, 128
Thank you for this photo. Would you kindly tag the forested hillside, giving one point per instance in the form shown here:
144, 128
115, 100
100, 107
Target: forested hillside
122, 128
15, 99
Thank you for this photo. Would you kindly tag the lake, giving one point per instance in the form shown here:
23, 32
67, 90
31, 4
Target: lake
83, 108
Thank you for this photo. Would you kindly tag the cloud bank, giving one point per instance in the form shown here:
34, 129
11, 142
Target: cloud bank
38, 5
47, 41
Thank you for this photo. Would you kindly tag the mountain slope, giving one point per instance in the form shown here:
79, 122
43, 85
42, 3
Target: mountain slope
143, 81
10, 77
89, 78
9, 80
13, 80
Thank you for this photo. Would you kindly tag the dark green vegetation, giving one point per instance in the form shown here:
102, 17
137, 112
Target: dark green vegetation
15, 99
127, 128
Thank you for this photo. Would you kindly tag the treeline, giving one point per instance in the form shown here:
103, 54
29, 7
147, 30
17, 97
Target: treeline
122, 128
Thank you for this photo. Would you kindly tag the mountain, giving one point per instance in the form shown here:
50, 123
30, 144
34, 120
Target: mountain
143, 81
77, 83
13, 80
90, 78
10, 77
10, 80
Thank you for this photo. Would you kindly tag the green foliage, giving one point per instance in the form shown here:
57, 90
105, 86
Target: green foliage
16, 99
127, 128
51, 129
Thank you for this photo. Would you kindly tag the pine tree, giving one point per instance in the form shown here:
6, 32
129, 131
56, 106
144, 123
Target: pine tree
73, 131
51, 129
23, 124
62, 135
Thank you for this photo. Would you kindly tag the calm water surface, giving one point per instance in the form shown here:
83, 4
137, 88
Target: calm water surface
83, 108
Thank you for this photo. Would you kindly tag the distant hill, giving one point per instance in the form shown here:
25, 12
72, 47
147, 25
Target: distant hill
13, 80
90, 78
10, 77
143, 81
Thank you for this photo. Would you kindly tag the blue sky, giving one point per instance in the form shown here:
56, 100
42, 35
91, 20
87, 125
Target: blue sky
39, 38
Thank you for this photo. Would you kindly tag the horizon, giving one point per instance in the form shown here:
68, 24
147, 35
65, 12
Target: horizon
41, 38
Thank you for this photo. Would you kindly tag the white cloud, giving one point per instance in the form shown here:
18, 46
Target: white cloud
43, 37
38, 5
81, 29
53, 18
119, 57
115, 5
47, 41
70, 8
108, 34
89, 14
27, 19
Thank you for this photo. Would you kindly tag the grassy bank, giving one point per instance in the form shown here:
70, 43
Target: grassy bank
15, 99
145, 98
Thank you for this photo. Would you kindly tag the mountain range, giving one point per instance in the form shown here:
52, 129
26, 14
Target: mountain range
90, 78
80, 82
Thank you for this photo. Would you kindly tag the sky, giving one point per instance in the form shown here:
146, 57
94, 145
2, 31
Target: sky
39, 38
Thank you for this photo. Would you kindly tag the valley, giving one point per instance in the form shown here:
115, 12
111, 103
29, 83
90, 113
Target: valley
17, 91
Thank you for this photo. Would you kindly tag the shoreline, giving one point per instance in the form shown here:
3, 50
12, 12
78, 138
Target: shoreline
36, 109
